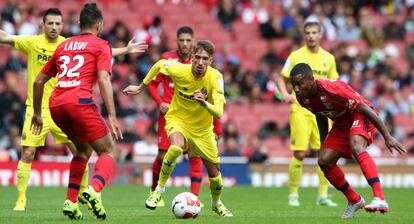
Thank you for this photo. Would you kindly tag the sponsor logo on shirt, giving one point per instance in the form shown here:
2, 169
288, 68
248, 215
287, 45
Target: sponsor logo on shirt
332, 114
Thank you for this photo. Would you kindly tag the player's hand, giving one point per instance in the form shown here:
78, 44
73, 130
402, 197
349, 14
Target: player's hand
199, 97
288, 98
133, 89
136, 47
115, 129
393, 145
36, 124
164, 107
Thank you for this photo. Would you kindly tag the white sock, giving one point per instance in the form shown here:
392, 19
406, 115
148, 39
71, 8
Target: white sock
160, 189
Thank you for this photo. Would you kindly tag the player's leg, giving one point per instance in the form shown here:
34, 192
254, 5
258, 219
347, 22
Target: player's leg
358, 146
103, 171
206, 148
175, 150
163, 145
315, 144
299, 142
336, 145
196, 173
29, 144
81, 154
216, 188
60, 138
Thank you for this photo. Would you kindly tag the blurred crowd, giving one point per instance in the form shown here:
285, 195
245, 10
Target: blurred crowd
373, 43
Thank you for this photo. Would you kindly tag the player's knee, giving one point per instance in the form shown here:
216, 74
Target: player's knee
28, 154
178, 150
299, 155
324, 163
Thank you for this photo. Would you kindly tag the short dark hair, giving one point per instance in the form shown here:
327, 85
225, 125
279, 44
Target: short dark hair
301, 69
53, 12
185, 29
90, 15
313, 23
205, 45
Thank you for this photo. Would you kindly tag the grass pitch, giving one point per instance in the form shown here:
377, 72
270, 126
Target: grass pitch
125, 204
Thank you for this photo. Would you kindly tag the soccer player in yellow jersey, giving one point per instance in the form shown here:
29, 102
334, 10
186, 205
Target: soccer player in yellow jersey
198, 97
304, 131
39, 48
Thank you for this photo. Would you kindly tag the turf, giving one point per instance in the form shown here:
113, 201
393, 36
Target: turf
125, 204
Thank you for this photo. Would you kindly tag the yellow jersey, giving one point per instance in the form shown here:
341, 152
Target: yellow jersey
322, 63
183, 107
38, 50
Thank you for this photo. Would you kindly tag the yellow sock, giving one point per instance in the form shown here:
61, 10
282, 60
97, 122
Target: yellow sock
216, 187
168, 164
323, 183
23, 175
295, 174
85, 180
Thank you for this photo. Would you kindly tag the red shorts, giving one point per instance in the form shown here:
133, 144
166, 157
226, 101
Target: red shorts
339, 136
163, 142
82, 121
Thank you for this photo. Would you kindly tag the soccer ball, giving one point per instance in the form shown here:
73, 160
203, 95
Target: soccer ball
186, 205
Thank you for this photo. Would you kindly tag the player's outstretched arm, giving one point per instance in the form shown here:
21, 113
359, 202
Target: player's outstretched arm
323, 126
155, 69
38, 86
105, 87
132, 47
391, 143
6, 38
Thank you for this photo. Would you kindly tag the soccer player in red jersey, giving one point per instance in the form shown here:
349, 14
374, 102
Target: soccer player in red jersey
354, 124
185, 44
79, 62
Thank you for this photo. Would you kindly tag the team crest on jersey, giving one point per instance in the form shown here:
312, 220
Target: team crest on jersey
204, 91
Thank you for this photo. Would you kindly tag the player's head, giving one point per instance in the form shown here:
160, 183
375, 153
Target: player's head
202, 57
52, 23
185, 40
302, 80
312, 33
91, 18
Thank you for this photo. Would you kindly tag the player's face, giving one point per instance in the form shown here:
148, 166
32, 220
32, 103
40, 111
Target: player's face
312, 36
302, 86
53, 26
185, 42
200, 62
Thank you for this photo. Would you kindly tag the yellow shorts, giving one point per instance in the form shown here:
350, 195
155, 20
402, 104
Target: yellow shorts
28, 139
204, 146
304, 132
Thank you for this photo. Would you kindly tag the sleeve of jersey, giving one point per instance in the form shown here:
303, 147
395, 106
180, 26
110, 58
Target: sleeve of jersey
217, 127
50, 67
104, 59
166, 67
333, 73
287, 67
23, 43
153, 89
217, 107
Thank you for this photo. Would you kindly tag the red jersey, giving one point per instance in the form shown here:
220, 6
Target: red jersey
336, 100
168, 85
77, 61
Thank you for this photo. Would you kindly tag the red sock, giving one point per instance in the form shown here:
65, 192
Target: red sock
156, 167
76, 170
196, 174
370, 171
337, 178
104, 169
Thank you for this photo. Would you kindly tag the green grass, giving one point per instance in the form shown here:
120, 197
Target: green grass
125, 204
